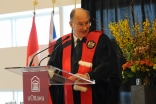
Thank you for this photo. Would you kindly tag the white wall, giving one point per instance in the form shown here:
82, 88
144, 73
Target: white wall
16, 56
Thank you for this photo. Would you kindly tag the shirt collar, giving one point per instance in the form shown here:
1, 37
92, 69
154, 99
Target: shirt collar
75, 38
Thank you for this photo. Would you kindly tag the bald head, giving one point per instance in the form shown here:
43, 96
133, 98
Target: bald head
79, 12
80, 22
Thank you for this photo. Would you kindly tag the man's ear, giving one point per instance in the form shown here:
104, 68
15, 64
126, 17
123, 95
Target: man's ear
71, 25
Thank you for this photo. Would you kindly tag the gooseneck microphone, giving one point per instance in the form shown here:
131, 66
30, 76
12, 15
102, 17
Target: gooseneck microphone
59, 43
44, 58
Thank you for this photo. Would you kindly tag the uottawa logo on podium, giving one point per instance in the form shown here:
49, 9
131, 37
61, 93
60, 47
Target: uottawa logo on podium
35, 84
35, 87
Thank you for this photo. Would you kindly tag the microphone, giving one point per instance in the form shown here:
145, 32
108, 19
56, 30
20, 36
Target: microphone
59, 43
44, 58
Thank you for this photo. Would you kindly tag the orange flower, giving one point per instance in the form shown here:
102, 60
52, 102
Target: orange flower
150, 64
147, 62
126, 65
142, 62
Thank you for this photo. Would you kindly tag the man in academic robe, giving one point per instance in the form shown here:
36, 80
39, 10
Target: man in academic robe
95, 59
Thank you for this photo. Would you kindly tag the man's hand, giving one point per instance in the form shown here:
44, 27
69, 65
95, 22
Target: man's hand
77, 86
73, 78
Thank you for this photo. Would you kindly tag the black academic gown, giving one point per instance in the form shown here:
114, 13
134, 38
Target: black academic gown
104, 71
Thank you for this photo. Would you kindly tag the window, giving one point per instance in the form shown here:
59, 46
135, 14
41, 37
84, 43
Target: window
5, 33
17, 28
11, 96
22, 31
6, 97
23, 28
18, 96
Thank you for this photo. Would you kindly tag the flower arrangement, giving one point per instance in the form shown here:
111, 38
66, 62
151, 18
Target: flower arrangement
138, 46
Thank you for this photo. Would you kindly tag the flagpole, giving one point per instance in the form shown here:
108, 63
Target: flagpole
75, 1
52, 32
35, 4
53, 4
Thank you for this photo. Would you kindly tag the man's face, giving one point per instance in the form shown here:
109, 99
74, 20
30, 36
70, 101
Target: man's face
80, 25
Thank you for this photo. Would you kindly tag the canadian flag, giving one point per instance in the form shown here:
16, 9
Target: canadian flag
32, 47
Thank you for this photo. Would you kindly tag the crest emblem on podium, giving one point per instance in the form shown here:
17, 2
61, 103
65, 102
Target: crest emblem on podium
35, 84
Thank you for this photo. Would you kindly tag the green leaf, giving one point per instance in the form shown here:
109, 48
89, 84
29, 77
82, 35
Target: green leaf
125, 81
130, 75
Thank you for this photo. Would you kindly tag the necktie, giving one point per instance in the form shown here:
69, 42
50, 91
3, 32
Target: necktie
76, 56
78, 52
78, 49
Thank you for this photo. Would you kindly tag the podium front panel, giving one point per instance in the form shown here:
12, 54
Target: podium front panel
35, 87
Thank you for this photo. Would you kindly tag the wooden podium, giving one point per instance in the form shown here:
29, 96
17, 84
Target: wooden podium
36, 82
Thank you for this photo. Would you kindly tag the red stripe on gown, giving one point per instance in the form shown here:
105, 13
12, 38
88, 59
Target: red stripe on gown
68, 94
87, 56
